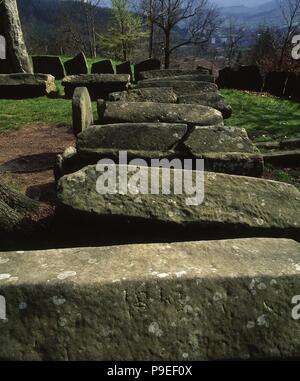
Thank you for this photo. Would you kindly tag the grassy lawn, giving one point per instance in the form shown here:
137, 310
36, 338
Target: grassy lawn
265, 117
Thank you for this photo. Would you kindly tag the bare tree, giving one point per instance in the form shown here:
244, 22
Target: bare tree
290, 10
148, 9
197, 17
235, 35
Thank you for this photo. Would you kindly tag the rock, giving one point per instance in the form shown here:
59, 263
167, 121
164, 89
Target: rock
85, 295
275, 83
150, 64
144, 140
152, 94
226, 78
239, 206
82, 112
15, 210
268, 145
186, 77
76, 65
17, 60
125, 68
292, 88
98, 85
152, 74
150, 112
290, 144
249, 78
26, 85
283, 159
103, 67
225, 149
66, 163
180, 87
211, 99
242, 78
48, 65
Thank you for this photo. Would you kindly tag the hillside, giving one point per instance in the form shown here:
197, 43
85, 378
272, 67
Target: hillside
264, 14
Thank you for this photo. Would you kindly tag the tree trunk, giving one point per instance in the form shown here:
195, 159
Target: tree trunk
151, 39
167, 49
14, 208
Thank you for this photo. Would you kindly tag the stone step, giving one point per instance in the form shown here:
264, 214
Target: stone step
151, 112
98, 85
22, 85
153, 94
185, 77
152, 74
203, 203
225, 149
283, 159
211, 300
210, 99
180, 87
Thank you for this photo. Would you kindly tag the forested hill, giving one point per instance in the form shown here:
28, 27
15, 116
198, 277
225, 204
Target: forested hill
52, 26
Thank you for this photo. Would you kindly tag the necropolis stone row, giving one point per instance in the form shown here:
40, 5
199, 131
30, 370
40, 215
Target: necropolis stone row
98, 85
150, 112
125, 68
225, 149
233, 206
186, 301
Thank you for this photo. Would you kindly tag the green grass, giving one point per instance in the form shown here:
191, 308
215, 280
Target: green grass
265, 117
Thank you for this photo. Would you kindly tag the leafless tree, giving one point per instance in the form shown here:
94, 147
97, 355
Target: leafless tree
290, 10
197, 17
235, 35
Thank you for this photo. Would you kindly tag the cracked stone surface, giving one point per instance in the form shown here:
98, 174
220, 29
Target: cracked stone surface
152, 74
153, 94
225, 149
180, 87
151, 112
234, 203
164, 302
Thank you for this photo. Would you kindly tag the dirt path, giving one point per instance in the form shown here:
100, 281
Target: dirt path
27, 157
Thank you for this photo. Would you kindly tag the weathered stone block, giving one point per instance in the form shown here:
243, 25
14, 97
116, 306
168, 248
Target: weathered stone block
209, 99
82, 112
283, 159
180, 87
17, 60
211, 300
152, 74
152, 94
26, 85
125, 68
275, 83
98, 85
150, 112
48, 65
150, 64
76, 65
103, 67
